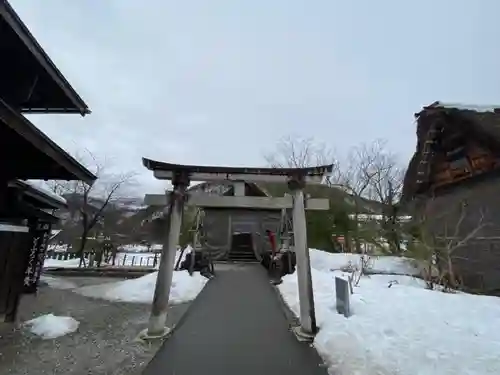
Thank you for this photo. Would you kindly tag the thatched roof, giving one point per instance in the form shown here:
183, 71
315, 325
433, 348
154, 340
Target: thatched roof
481, 123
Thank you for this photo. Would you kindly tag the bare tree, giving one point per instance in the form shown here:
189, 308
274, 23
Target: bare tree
386, 186
297, 152
92, 201
436, 249
357, 179
372, 174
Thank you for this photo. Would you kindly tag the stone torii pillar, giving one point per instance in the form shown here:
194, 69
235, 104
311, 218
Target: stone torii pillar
181, 176
173, 219
308, 327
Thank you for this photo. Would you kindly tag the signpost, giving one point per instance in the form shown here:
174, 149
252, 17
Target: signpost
342, 294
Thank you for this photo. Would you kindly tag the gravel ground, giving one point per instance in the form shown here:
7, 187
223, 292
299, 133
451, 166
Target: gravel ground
104, 343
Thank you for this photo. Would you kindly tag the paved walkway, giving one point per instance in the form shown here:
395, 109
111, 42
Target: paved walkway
236, 326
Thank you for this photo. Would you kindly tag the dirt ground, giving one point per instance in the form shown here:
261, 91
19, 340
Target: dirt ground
105, 342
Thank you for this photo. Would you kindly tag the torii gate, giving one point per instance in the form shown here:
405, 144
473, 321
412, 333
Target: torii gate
182, 175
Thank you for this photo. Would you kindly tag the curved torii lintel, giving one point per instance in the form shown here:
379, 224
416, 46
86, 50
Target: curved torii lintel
166, 171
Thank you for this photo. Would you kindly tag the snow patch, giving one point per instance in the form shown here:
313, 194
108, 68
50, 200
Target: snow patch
51, 326
136, 248
54, 263
185, 288
58, 248
145, 259
37, 185
405, 329
323, 261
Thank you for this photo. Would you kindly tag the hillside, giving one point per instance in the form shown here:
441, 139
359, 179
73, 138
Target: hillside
338, 198
126, 220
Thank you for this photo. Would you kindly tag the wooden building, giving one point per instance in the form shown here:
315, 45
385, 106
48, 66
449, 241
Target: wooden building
239, 234
29, 83
453, 184
227, 233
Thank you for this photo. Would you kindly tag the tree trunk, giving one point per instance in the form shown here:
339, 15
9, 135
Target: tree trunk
81, 247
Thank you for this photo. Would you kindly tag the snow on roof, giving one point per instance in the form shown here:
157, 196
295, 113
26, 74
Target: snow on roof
54, 233
37, 185
470, 107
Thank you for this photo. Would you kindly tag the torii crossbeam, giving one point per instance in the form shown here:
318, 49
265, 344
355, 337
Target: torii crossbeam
182, 175
167, 171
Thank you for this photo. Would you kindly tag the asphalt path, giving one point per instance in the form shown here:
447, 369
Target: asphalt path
236, 326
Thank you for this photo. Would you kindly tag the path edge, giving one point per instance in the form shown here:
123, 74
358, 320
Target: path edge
174, 328
292, 319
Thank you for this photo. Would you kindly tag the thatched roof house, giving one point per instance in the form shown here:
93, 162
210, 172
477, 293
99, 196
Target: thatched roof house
453, 179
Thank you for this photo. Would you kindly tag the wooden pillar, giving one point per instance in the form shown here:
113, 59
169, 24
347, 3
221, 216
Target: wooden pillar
157, 321
14, 244
308, 326
4, 183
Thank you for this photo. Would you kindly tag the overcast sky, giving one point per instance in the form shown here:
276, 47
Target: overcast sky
221, 81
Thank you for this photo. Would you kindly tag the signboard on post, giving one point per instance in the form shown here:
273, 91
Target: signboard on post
36, 257
343, 296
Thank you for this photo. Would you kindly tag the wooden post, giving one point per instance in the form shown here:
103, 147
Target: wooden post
158, 318
306, 299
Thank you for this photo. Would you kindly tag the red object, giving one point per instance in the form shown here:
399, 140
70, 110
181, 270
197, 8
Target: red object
272, 240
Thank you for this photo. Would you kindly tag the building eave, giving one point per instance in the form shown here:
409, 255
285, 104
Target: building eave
22, 31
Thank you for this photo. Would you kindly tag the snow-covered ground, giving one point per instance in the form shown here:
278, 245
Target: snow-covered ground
185, 288
134, 248
70, 263
145, 259
403, 329
51, 326
122, 259
137, 259
58, 248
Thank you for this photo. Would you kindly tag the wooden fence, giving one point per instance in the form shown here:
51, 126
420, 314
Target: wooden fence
120, 259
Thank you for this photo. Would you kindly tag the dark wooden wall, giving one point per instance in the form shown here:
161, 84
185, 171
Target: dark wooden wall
13, 251
478, 260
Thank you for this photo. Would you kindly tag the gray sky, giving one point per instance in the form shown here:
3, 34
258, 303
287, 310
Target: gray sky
221, 81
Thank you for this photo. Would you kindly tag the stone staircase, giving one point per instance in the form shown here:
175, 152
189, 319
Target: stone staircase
242, 250
242, 255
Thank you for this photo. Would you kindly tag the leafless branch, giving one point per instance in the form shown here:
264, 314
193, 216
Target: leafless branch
88, 204
297, 152
456, 240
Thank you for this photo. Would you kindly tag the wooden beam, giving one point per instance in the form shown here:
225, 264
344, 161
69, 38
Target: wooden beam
8, 14
211, 177
215, 201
